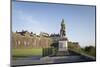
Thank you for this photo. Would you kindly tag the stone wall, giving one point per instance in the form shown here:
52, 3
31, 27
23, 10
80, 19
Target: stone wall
19, 41
27, 41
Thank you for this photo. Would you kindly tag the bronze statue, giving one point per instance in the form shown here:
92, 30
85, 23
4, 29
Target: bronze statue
62, 30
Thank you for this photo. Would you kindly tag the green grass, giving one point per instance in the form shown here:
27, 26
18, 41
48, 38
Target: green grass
22, 52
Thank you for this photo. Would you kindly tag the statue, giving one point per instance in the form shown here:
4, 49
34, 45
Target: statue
62, 30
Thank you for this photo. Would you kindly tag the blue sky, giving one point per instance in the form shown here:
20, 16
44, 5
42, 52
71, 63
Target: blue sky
42, 17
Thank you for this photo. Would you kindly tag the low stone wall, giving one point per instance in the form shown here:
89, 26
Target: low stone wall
82, 54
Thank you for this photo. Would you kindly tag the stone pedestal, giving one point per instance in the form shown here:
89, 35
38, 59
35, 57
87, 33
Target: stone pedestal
63, 44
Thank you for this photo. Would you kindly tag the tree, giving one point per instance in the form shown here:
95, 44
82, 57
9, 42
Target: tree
91, 50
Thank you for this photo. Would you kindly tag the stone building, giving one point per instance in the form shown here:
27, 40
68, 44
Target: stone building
25, 39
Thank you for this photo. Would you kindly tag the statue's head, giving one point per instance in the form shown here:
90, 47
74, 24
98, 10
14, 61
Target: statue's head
62, 22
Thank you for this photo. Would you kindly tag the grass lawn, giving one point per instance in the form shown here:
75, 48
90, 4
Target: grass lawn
22, 52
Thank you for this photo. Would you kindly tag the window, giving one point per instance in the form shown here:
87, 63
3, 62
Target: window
28, 43
18, 42
25, 43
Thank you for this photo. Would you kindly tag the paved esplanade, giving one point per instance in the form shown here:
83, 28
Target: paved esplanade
49, 60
